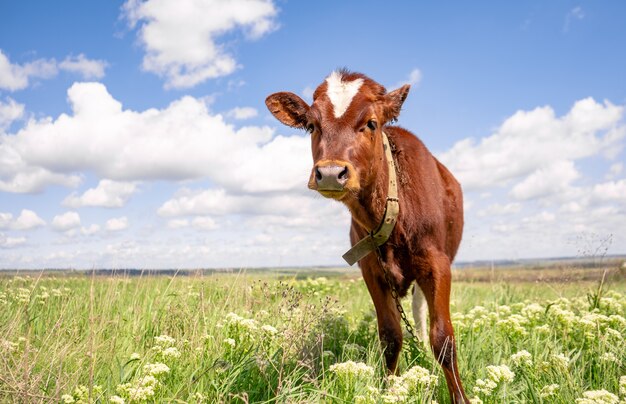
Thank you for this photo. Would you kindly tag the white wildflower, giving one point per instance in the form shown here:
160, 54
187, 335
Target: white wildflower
514, 325
141, 393
352, 369
610, 304
199, 397
496, 375
565, 318
171, 352
560, 361
135, 356
500, 373
609, 357
8, 346
143, 390
477, 312
116, 400
236, 320
475, 400
534, 312
22, 295
249, 324
617, 321
548, 391
485, 386
397, 391
156, 369
614, 335
543, 329
598, 397
522, 358
164, 341
269, 329
417, 378
81, 393
230, 342
503, 311
67, 399
622, 386
372, 396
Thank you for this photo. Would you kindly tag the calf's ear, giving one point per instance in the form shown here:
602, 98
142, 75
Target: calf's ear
288, 108
393, 101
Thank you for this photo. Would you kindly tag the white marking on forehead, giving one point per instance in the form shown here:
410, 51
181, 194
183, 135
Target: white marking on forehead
341, 92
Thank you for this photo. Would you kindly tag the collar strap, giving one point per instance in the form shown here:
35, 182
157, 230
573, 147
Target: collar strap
380, 236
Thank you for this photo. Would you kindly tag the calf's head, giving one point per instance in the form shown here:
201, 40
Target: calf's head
345, 122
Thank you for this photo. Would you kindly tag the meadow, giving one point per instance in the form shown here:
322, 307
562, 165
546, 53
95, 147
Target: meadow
523, 336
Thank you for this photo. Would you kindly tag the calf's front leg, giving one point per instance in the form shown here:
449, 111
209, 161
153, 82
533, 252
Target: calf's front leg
389, 329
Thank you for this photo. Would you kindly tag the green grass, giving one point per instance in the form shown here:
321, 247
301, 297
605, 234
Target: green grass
65, 338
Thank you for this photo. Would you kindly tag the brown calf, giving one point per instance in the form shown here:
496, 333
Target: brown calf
346, 121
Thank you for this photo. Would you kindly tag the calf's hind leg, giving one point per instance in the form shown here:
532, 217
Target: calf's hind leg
436, 288
420, 311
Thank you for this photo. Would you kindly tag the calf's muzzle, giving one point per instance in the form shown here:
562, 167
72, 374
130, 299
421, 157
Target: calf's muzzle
331, 178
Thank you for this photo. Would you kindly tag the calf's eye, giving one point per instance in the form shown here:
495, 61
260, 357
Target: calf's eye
310, 128
371, 124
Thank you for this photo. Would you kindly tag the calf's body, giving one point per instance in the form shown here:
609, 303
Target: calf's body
346, 121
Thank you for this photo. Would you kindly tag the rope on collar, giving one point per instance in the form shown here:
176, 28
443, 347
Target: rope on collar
380, 236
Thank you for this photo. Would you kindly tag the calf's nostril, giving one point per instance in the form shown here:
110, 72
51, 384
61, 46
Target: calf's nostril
318, 174
343, 175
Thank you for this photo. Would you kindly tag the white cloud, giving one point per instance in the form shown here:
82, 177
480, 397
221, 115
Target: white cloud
180, 38
204, 223
574, 14
219, 202
533, 140
117, 224
615, 170
415, 77
87, 68
242, 113
66, 221
108, 194
27, 220
11, 242
9, 112
177, 223
545, 181
610, 191
181, 142
497, 209
540, 218
27, 179
16, 77
307, 93
90, 230
5, 220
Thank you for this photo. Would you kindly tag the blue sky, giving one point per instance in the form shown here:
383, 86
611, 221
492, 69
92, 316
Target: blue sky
134, 134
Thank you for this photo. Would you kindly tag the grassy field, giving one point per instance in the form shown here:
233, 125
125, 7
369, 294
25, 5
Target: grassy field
529, 336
